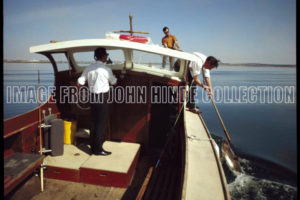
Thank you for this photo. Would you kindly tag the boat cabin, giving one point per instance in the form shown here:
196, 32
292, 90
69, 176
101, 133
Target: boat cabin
137, 131
146, 128
138, 67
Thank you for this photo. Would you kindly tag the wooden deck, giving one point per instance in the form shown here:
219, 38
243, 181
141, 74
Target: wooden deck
120, 162
115, 170
205, 177
68, 190
65, 190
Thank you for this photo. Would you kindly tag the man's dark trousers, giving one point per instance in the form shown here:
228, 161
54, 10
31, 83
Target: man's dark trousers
99, 112
192, 90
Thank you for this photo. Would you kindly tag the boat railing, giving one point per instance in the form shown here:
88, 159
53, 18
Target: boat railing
27, 120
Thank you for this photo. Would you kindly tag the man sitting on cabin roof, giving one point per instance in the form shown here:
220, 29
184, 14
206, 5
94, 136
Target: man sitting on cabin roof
169, 41
202, 64
99, 77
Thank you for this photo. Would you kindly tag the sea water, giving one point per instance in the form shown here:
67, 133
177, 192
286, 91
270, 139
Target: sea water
263, 133
26, 75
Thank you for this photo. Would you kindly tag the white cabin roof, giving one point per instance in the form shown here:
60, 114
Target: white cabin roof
92, 44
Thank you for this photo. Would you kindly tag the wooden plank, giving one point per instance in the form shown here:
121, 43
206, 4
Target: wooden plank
133, 127
18, 167
72, 158
67, 166
19, 162
65, 190
145, 184
123, 154
114, 170
27, 189
26, 120
6, 179
62, 174
115, 193
203, 180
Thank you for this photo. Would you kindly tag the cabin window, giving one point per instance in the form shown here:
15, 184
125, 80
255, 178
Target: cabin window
153, 60
83, 59
61, 61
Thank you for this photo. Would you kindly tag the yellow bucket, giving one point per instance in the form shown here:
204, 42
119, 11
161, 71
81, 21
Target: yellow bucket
70, 129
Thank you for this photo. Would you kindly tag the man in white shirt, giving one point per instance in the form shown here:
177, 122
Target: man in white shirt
98, 77
201, 64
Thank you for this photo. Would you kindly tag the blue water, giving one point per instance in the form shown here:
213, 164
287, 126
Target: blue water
266, 131
24, 74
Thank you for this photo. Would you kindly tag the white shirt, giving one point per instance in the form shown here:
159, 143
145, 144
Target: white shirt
197, 64
98, 76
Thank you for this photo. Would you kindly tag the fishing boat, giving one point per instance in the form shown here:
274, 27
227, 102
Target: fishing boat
159, 149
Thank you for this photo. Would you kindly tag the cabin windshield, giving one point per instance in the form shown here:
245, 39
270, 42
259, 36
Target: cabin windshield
83, 59
135, 60
155, 61
61, 61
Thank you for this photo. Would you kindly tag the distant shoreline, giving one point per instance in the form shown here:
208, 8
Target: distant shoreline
39, 61
256, 65
25, 61
87, 62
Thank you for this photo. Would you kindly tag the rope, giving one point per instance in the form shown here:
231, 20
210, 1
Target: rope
178, 115
177, 118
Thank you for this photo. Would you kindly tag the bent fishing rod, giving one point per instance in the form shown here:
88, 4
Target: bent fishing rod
217, 111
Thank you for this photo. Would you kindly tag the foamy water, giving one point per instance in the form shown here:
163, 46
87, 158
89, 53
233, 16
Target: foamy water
246, 187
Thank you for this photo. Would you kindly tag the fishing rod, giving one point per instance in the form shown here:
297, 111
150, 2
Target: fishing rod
40, 134
217, 111
223, 125
231, 150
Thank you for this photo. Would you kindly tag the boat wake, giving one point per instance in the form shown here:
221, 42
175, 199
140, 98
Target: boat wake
259, 179
249, 185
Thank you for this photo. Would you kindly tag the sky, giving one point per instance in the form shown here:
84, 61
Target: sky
234, 31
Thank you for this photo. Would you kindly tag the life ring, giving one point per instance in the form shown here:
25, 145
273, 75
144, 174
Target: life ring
132, 38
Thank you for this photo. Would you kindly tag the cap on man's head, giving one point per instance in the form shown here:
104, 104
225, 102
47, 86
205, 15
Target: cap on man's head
99, 53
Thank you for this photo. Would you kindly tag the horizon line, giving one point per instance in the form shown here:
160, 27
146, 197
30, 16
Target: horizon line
47, 61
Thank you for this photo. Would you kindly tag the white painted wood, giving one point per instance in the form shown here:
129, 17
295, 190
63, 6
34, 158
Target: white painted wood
203, 180
123, 154
92, 44
72, 158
